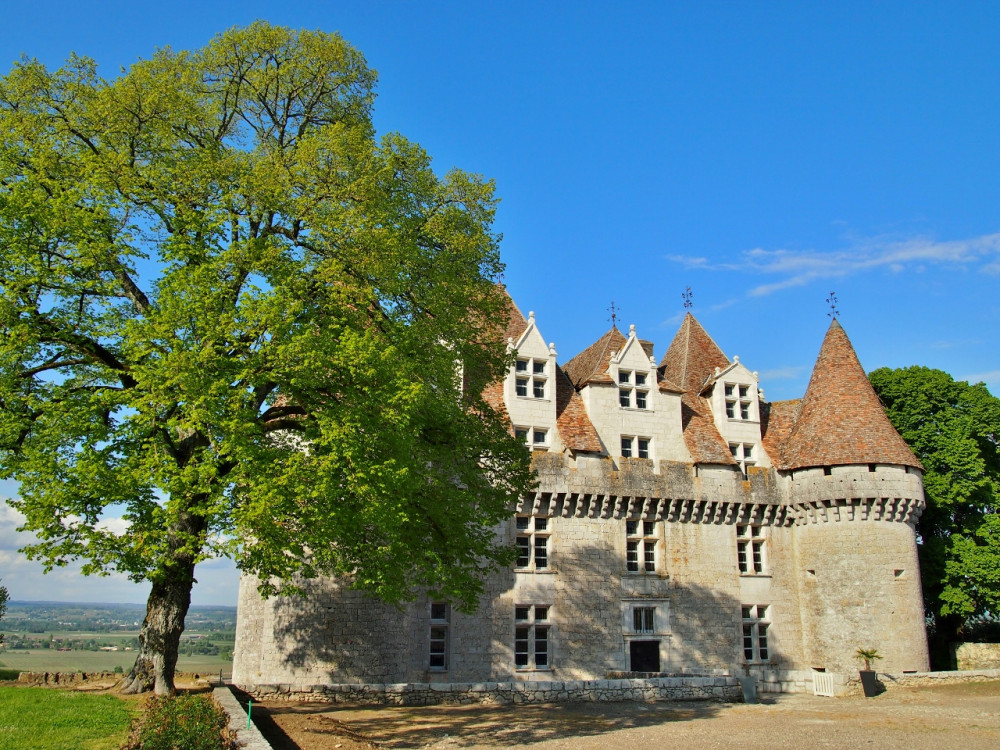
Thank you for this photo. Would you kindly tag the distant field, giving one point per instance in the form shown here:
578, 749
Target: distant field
46, 660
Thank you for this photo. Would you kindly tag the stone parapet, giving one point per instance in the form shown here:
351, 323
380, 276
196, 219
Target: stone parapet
719, 688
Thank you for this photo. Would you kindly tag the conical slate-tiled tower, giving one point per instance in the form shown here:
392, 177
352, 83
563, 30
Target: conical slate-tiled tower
840, 419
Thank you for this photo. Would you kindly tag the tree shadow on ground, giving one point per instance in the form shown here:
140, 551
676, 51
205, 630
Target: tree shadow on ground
502, 726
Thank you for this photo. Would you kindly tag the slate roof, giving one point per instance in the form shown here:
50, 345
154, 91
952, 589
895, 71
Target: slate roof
687, 366
692, 357
574, 425
701, 436
591, 365
840, 420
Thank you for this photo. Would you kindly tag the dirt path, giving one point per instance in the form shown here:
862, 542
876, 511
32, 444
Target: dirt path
952, 717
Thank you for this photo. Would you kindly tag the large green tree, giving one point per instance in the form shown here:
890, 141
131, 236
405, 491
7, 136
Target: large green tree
235, 317
954, 429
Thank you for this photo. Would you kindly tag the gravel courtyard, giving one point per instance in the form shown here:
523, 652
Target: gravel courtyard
947, 717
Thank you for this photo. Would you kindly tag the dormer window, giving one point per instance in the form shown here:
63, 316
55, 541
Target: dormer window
633, 389
532, 378
738, 401
635, 447
744, 454
533, 437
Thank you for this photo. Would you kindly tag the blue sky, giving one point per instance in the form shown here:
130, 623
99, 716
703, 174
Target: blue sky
764, 154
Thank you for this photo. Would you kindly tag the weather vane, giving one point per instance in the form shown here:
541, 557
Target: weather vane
686, 296
614, 313
832, 302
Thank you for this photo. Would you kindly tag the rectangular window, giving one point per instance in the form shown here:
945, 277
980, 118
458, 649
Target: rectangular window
750, 547
633, 447
756, 621
629, 382
521, 434
438, 659
538, 437
532, 542
532, 648
640, 546
643, 619
536, 384
744, 455
738, 401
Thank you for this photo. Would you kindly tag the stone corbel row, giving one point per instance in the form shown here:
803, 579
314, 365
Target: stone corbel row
897, 509
577, 505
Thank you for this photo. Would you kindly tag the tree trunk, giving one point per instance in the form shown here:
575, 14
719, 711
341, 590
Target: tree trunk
160, 635
167, 606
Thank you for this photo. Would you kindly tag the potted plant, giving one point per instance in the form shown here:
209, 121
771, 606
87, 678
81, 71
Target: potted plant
868, 675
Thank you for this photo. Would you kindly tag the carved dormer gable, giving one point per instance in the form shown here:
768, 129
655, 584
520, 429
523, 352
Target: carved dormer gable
616, 377
634, 371
735, 396
530, 388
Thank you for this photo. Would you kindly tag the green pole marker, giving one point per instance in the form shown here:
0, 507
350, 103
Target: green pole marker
249, 709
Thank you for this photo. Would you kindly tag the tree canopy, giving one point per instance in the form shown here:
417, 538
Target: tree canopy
235, 317
954, 429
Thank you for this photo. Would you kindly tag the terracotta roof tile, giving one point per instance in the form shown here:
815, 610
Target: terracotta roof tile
841, 420
575, 428
591, 365
516, 322
692, 357
700, 433
776, 422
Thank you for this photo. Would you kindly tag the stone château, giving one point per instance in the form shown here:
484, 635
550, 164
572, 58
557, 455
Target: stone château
681, 524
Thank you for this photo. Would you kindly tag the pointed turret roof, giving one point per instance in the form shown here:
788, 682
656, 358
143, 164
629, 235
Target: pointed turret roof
840, 419
591, 365
692, 357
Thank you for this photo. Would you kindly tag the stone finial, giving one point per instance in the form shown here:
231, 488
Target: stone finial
631, 330
760, 393
552, 348
531, 315
717, 370
736, 359
755, 376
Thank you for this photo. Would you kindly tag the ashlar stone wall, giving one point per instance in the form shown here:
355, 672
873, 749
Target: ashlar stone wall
839, 572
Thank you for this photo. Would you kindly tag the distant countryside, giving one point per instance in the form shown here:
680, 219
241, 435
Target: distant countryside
61, 637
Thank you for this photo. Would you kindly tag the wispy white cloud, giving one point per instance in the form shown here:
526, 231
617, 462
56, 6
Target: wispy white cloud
25, 580
991, 378
797, 267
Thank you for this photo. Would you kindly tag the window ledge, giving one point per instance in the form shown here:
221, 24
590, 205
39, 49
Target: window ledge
755, 575
544, 572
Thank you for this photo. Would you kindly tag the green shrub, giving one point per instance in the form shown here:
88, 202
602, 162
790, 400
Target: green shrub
182, 722
9, 674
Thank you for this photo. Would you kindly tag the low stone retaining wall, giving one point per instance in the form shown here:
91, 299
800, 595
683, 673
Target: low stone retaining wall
977, 655
66, 678
719, 688
921, 679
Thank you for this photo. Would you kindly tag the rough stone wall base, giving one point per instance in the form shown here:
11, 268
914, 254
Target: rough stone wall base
719, 688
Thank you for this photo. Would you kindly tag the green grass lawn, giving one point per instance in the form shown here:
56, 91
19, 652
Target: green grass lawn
46, 719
